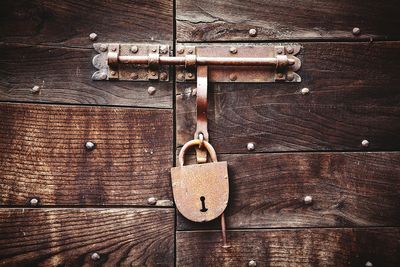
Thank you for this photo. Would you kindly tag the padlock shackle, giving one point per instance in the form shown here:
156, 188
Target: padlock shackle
197, 142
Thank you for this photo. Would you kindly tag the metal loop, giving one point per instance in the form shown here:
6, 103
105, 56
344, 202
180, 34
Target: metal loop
194, 142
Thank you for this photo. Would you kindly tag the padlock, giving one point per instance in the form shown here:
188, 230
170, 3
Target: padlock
201, 191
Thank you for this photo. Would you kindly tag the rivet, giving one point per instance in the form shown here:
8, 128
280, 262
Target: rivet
232, 77
280, 75
93, 36
308, 200
95, 256
154, 49
163, 49
190, 51
134, 76
103, 76
34, 202
181, 50
151, 90
153, 73
35, 89
356, 31
233, 50
289, 49
290, 76
181, 77
90, 145
134, 49
252, 263
114, 49
152, 200
279, 51
305, 91
163, 76
190, 75
253, 32
251, 146
113, 73
368, 264
103, 47
365, 143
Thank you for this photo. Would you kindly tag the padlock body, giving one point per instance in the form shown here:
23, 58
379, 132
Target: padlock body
201, 191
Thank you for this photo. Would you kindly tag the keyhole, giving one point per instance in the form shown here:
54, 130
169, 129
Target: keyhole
203, 204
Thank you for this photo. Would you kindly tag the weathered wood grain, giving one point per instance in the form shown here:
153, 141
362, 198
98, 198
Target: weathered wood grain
69, 237
43, 155
231, 20
354, 95
64, 76
301, 247
69, 22
348, 189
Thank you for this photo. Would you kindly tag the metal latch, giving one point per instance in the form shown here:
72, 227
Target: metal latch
241, 63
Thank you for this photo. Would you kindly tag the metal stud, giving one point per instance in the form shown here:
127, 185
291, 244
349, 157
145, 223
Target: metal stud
305, 91
134, 76
134, 49
163, 76
233, 50
308, 200
232, 77
95, 256
190, 75
103, 76
251, 146
154, 49
252, 263
290, 76
93, 36
289, 49
152, 200
253, 32
103, 47
356, 31
368, 264
114, 49
181, 50
35, 89
151, 90
279, 51
163, 49
90, 145
181, 77
113, 73
190, 51
365, 143
34, 202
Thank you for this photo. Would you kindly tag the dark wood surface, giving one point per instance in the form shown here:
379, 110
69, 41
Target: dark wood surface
64, 76
348, 189
221, 20
69, 22
354, 95
301, 247
43, 155
69, 237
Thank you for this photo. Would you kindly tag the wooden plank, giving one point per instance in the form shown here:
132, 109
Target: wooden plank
64, 76
231, 20
347, 189
69, 23
354, 95
44, 156
69, 237
300, 247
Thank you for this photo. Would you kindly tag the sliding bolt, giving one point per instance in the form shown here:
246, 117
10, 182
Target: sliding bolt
365, 143
134, 49
308, 200
251, 146
305, 91
356, 31
103, 47
93, 36
34, 202
252, 263
90, 145
35, 89
95, 256
253, 32
151, 90
152, 200
233, 50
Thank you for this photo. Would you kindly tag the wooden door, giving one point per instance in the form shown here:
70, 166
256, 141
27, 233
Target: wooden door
84, 165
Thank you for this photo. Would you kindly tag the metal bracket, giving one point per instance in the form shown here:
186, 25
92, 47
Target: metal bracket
241, 63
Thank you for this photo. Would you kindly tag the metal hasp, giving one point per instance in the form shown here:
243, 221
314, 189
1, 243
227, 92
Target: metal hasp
241, 63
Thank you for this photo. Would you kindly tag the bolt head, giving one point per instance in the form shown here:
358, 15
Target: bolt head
113, 73
368, 264
181, 77
365, 143
233, 50
35, 89
305, 91
151, 90
154, 49
289, 49
95, 256
251, 146
233, 77
163, 49
190, 51
163, 76
93, 36
253, 32
356, 31
90, 145
308, 200
190, 75
252, 263
279, 51
103, 76
181, 50
134, 49
103, 47
152, 200
34, 202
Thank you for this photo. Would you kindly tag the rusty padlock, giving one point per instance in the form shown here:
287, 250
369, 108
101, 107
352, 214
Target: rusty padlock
201, 191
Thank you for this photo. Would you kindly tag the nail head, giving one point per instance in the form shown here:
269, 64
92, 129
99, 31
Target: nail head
252, 263
308, 200
289, 49
163, 76
35, 89
253, 32
34, 201
365, 143
134, 49
356, 31
103, 47
151, 90
181, 50
95, 256
232, 77
305, 91
93, 36
152, 200
90, 145
251, 146
233, 50
134, 76
368, 264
